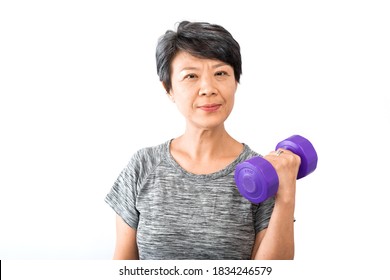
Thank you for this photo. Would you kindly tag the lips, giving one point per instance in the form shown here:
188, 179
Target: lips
210, 107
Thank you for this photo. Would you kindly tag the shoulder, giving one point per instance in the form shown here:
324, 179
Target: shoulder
151, 154
248, 153
145, 159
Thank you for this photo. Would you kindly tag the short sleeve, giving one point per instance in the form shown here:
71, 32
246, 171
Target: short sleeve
262, 214
123, 194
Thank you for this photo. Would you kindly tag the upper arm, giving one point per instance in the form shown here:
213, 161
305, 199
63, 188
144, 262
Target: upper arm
259, 237
126, 241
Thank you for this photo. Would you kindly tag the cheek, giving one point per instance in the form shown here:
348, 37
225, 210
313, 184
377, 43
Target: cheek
230, 105
184, 105
229, 99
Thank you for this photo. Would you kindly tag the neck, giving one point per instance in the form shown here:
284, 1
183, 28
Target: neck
205, 144
205, 151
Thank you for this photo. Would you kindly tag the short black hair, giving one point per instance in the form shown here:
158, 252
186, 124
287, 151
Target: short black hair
200, 39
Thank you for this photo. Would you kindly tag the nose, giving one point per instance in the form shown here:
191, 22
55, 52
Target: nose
207, 86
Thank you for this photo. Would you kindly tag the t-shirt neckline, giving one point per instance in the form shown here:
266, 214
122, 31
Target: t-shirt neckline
220, 173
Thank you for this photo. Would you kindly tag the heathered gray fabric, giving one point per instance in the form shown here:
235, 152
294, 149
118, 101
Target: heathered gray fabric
180, 215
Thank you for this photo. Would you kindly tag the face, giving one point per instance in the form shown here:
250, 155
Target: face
203, 90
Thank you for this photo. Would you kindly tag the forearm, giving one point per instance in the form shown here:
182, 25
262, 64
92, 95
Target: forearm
278, 241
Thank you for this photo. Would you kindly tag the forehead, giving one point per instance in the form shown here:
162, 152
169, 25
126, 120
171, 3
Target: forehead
186, 60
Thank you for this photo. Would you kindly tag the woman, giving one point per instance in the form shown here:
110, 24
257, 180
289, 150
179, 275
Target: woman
178, 200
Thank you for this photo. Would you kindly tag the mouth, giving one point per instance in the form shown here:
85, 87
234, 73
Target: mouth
210, 107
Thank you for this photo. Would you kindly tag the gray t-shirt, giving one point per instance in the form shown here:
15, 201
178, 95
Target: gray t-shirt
180, 215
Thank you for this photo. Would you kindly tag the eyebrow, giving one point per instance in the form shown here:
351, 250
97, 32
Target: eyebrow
195, 68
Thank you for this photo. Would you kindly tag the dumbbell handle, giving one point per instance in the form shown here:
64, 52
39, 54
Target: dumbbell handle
256, 178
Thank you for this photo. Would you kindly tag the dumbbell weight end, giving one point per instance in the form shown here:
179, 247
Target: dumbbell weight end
256, 179
305, 150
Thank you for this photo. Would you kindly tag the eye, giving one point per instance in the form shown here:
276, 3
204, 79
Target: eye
221, 73
190, 76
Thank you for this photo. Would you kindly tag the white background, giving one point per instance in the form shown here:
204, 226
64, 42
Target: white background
79, 94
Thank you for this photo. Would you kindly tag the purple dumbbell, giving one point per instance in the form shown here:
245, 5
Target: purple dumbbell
256, 178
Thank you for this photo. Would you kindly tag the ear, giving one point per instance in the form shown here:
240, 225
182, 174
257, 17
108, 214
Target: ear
171, 96
165, 87
169, 93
